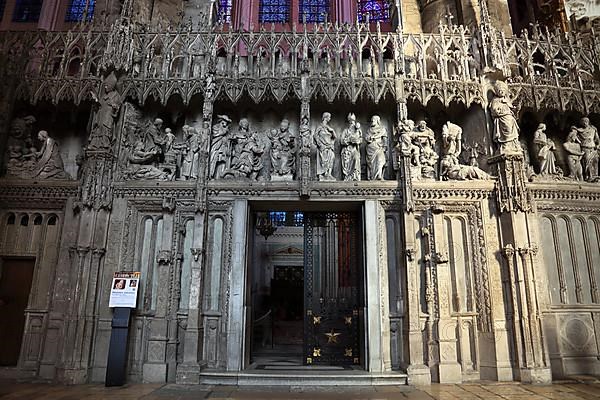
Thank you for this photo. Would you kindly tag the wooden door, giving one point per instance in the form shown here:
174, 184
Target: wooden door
15, 284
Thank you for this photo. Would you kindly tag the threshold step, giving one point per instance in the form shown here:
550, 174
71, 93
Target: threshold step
301, 378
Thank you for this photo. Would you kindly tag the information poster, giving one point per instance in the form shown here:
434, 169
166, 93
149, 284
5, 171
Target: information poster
124, 289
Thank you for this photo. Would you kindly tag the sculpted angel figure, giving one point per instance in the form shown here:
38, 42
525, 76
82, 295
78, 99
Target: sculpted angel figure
506, 127
377, 145
325, 140
350, 140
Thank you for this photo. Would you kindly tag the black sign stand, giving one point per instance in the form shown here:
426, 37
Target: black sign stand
117, 352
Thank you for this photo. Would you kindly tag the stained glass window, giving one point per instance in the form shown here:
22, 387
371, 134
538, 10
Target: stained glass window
225, 7
27, 11
77, 9
313, 10
277, 11
2, 5
378, 10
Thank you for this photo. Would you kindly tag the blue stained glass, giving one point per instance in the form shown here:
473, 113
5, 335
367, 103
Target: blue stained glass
225, 7
313, 10
378, 10
77, 9
284, 218
276, 11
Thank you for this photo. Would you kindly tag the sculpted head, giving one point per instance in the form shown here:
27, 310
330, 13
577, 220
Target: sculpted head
158, 123
42, 135
326, 117
375, 120
351, 118
244, 124
422, 125
585, 121
501, 89
285, 124
541, 127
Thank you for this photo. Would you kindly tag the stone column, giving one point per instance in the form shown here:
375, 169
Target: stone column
447, 369
236, 318
514, 201
377, 287
189, 370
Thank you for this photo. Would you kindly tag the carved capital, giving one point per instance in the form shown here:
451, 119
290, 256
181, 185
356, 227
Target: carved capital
164, 257
196, 253
98, 253
508, 252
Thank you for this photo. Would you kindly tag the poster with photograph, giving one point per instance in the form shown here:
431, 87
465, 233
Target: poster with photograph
124, 288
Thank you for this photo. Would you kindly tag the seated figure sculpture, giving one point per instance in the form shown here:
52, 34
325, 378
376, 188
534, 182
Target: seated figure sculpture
452, 147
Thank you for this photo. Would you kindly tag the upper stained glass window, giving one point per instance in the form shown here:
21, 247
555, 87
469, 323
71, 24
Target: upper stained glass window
27, 11
378, 10
2, 6
314, 10
277, 11
225, 7
77, 8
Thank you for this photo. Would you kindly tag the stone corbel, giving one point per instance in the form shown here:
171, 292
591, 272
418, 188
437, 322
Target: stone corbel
410, 254
98, 253
196, 253
441, 258
164, 257
168, 204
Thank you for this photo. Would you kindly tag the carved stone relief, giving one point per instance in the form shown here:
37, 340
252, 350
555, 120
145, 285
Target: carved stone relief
506, 127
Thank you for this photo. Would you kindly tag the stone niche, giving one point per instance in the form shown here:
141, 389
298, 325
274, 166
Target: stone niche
477, 144
140, 136
364, 110
262, 118
66, 125
558, 126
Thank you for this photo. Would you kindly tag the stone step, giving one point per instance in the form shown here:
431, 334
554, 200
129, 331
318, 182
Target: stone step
301, 378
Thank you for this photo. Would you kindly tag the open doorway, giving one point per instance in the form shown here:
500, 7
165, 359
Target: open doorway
15, 284
306, 277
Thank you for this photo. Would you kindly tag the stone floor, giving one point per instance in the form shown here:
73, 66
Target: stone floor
568, 390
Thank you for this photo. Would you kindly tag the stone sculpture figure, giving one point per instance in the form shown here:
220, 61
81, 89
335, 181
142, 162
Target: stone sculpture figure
574, 154
109, 104
191, 149
350, 140
506, 128
219, 151
325, 140
283, 152
154, 140
452, 147
142, 164
425, 139
49, 164
377, 145
545, 152
246, 161
406, 146
169, 150
305, 136
590, 144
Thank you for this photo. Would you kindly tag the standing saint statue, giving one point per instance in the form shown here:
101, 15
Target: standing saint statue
325, 141
377, 145
219, 150
350, 140
545, 152
590, 144
191, 149
574, 154
109, 104
506, 127
49, 164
